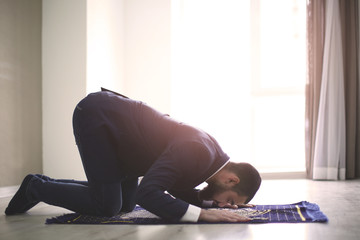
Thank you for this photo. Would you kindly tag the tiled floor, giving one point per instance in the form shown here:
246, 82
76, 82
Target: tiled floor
340, 201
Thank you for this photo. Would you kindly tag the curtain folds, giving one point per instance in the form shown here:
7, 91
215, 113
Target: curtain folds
350, 34
315, 46
329, 152
332, 102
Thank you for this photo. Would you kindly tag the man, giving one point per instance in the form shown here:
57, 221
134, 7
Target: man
119, 140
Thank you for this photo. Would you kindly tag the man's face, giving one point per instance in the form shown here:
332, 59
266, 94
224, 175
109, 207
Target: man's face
229, 198
222, 195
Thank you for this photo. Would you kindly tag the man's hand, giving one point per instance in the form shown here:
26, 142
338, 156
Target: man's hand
245, 205
221, 215
228, 205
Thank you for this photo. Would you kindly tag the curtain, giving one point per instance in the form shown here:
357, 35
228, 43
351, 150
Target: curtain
329, 152
332, 102
350, 35
315, 47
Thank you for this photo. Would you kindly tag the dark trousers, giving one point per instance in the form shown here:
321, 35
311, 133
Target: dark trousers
82, 197
98, 154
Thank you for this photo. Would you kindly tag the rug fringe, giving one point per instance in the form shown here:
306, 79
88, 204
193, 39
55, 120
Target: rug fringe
66, 218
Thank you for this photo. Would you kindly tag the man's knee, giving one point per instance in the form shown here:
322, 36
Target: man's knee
128, 207
107, 198
109, 210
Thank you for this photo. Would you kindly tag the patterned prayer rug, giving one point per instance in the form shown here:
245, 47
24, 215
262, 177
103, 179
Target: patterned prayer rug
290, 213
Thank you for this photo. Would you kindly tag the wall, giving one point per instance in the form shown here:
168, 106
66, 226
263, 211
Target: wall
64, 83
147, 51
122, 45
128, 49
105, 45
20, 90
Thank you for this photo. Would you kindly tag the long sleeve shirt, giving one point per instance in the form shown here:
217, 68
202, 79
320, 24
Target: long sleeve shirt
172, 157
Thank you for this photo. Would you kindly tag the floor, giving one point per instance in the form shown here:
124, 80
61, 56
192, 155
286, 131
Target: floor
338, 200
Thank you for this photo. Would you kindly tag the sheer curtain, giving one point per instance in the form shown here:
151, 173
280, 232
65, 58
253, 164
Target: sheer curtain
329, 153
332, 109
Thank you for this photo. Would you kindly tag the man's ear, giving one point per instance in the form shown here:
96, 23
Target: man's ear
233, 180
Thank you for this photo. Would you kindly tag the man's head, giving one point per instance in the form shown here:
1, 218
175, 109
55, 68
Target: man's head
234, 184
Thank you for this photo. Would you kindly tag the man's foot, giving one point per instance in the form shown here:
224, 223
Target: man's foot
20, 203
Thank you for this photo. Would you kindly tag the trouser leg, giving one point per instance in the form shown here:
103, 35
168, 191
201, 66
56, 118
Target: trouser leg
79, 196
102, 199
129, 187
85, 183
103, 194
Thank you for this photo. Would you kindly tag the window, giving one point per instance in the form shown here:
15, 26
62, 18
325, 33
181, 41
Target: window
238, 72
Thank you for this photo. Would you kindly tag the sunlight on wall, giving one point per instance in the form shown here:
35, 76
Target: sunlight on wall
105, 45
238, 72
211, 68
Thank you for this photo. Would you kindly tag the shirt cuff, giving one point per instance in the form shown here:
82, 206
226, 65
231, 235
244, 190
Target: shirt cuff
192, 214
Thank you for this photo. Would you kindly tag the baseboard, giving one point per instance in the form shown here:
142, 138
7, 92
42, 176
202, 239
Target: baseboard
279, 175
283, 175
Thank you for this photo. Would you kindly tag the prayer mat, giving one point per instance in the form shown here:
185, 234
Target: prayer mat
290, 213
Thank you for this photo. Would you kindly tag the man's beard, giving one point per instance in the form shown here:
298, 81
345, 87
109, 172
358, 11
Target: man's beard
212, 189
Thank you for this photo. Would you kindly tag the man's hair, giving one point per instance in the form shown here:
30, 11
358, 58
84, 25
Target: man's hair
250, 179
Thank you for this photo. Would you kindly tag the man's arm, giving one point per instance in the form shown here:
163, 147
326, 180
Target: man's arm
192, 214
151, 193
193, 197
163, 176
190, 196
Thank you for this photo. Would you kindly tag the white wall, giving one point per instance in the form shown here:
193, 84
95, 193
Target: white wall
122, 45
147, 52
105, 45
128, 49
64, 83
